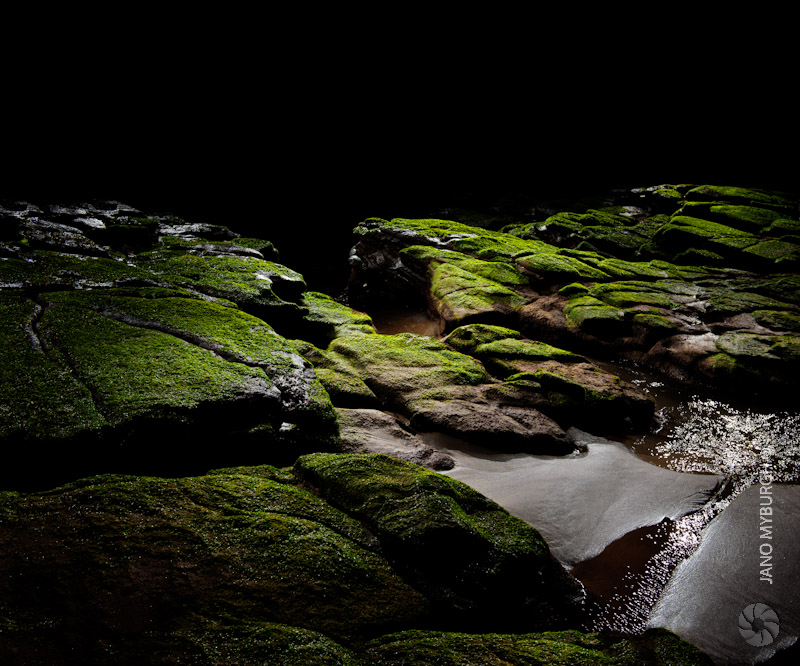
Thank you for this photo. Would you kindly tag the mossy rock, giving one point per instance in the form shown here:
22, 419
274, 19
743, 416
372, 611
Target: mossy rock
741, 196
42, 271
480, 243
41, 399
461, 295
701, 228
133, 558
725, 300
587, 396
264, 288
594, 317
764, 348
625, 295
619, 268
465, 552
747, 218
158, 372
442, 390
783, 226
471, 336
700, 256
560, 383
655, 322
397, 366
420, 648
780, 320
502, 272
332, 318
560, 266
343, 384
501, 347
781, 252
255, 643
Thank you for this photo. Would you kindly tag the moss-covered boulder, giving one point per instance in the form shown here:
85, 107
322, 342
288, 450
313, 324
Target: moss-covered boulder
440, 389
418, 648
133, 563
569, 388
148, 361
330, 319
341, 381
264, 288
261, 563
470, 558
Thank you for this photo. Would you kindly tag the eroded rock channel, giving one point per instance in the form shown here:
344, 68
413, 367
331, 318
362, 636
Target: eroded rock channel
563, 442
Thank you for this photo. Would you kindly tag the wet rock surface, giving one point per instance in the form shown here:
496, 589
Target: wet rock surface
140, 351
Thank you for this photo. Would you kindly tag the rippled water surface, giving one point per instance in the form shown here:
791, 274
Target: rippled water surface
706, 435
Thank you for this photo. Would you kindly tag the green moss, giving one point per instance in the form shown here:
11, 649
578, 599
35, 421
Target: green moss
783, 226
621, 241
337, 318
40, 399
342, 383
346, 389
574, 289
417, 648
365, 485
741, 196
654, 321
528, 350
593, 315
269, 472
700, 256
629, 294
781, 320
761, 348
420, 648
467, 338
560, 266
263, 644
480, 243
189, 346
504, 351
708, 229
502, 272
745, 217
458, 545
44, 270
170, 551
251, 283
398, 366
266, 248
778, 251
726, 300
461, 294
223, 329
133, 371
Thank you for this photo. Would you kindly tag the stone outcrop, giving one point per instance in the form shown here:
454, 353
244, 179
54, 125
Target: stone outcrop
131, 569
699, 283
158, 342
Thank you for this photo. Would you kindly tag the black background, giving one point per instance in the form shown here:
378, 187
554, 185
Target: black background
295, 128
